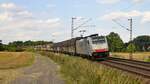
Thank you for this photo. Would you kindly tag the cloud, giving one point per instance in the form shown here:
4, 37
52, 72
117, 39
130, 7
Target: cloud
10, 11
145, 16
107, 1
8, 6
55, 20
56, 34
24, 13
138, 1
21, 24
116, 1
117, 15
4, 16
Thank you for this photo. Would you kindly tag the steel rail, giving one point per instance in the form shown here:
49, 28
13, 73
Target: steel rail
131, 61
137, 67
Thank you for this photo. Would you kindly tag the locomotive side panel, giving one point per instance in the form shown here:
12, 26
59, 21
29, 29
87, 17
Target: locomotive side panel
82, 47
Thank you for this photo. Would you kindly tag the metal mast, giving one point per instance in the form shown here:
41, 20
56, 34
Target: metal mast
72, 26
83, 24
131, 53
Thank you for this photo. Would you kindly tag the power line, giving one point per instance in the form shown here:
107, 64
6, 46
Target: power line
81, 25
120, 25
82, 32
130, 30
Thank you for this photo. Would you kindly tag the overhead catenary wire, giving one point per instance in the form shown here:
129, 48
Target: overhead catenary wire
83, 24
120, 25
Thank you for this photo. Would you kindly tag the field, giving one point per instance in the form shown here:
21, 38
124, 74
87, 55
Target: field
76, 70
9, 60
142, 56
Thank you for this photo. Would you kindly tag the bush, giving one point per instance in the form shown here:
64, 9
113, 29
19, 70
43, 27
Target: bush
29, 49
148, 59
131, 48
1, 47
11, 49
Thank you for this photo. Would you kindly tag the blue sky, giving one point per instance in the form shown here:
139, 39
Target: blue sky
51, 19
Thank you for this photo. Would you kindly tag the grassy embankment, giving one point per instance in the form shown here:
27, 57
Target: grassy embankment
10, 60
76, 70
142, 56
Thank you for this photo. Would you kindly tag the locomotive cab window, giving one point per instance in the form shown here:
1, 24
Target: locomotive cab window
97, 40
88, 42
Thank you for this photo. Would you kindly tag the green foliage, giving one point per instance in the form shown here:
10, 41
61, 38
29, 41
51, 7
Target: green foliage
142, 43
29, 49
10, 48
18, 46
28, 43
147, 60
115, 42
1, 47
13, 48
131, 48
16, 43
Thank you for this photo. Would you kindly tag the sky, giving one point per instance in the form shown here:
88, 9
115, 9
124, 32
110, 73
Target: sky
50, 20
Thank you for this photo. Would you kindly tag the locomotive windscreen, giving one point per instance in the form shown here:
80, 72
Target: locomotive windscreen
98, 40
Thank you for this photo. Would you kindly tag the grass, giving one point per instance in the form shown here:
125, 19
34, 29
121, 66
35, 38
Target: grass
8, 75
76, 70
10, 60
142, 56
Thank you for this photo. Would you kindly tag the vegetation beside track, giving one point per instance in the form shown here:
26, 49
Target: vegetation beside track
142, 56
77, 70
10, 60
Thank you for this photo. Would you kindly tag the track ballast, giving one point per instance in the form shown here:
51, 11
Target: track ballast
136, 67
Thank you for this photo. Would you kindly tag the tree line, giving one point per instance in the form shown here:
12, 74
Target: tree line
139, 44
22, 46
116, 44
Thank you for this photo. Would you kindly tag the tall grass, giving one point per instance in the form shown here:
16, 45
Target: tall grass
76, 70
141, 56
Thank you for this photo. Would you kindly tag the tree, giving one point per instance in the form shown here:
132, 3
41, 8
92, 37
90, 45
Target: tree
115, 42
17, 43
142, 43
1, 47
131, 48
29, 43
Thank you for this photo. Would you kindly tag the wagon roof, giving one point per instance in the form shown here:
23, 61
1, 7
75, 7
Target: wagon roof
67, 42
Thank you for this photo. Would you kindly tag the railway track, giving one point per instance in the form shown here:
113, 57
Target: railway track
132, 66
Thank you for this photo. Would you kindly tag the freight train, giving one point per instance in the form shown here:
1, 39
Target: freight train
93, 46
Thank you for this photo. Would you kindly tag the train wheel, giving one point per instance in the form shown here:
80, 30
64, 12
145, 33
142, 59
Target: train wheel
93, 58
88, 57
